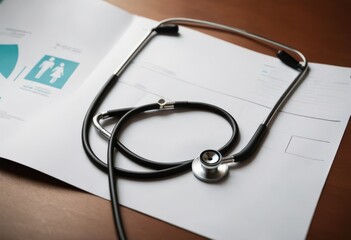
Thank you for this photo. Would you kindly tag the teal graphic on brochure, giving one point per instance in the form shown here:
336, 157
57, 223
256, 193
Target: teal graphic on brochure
52, 71
8, 59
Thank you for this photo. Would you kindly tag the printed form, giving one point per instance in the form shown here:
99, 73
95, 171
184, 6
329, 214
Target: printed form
271, 196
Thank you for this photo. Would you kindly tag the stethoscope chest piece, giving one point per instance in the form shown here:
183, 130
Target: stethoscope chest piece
208, 168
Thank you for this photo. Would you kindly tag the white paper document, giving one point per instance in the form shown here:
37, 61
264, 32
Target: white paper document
50, 73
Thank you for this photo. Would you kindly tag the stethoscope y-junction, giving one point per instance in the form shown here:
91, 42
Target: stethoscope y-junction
210, 165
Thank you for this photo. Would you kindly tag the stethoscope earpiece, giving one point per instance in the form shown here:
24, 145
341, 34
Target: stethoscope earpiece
208, 166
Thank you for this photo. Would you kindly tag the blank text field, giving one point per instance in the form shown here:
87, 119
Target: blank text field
314, 149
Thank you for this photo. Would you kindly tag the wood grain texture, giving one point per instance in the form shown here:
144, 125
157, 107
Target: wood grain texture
36, 206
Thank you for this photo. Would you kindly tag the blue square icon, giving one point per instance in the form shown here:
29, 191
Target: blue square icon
52, 71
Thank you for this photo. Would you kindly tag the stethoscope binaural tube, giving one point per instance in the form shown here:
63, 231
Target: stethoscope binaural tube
170, 27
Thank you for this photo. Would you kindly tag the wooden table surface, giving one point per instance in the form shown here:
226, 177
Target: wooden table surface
36, 206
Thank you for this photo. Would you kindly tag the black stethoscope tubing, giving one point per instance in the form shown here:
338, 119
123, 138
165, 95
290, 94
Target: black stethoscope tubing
167, 169
162, 169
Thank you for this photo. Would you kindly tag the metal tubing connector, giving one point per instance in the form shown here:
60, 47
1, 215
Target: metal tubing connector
165, 105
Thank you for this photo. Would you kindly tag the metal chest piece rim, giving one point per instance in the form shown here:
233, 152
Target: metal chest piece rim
207, 166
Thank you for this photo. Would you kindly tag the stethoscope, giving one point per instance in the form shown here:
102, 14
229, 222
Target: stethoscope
210, 165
